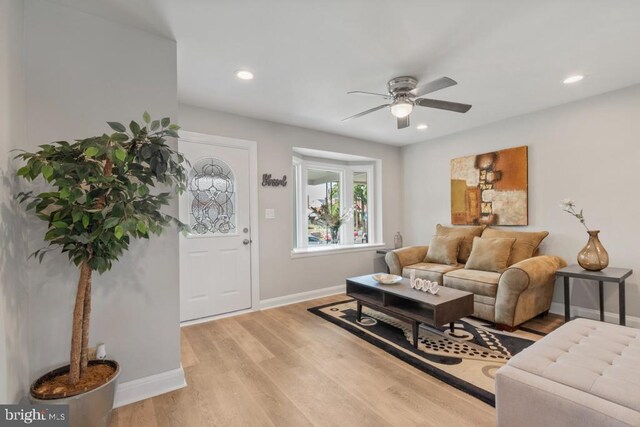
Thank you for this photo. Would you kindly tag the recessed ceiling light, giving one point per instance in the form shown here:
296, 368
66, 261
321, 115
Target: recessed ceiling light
422, 127
244, 75
573, 79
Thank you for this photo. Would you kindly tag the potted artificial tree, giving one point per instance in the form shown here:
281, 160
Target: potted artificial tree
101, 198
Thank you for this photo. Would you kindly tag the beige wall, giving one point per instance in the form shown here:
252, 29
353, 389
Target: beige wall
14, 320
587, 150
82, 71
280, 275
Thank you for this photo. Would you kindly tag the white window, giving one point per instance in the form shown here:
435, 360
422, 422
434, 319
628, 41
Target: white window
336, 202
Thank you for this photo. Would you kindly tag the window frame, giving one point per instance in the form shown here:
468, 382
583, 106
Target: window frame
369, 169
346, 171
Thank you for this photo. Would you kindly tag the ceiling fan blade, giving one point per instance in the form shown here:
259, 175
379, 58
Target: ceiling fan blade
379, 107
433, 86
443, 105
403, 122
359, 92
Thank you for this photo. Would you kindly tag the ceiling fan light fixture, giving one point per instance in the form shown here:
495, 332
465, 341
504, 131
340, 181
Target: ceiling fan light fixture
401, 108
404, 94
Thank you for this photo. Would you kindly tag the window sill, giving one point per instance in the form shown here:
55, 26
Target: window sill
335, 249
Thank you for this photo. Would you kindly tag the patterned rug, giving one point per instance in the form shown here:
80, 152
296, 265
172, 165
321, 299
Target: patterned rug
466, 359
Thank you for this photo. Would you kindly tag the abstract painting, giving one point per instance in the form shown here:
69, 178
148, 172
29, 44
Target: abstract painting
490, 188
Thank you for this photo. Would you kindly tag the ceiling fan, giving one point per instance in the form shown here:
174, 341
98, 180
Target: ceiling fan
404, 93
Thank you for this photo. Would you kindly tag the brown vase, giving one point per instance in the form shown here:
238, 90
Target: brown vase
593, 256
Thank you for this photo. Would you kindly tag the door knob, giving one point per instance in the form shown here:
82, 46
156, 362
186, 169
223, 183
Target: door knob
246, 241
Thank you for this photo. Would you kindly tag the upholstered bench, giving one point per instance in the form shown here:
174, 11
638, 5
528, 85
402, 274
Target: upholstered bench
585, 373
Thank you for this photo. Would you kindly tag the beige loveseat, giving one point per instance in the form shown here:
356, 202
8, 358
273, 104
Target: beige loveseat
507, 297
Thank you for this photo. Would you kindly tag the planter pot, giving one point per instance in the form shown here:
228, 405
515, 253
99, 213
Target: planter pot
87, 409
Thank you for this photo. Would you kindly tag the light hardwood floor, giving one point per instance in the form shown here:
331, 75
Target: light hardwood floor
288, 367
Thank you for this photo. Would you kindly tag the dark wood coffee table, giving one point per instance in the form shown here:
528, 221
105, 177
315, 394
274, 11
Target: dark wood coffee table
415, 307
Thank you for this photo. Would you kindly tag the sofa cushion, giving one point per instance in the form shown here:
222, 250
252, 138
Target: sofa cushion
430, 271
479, 282
598, 358
467, 233
490, 254
443, 250
526, 244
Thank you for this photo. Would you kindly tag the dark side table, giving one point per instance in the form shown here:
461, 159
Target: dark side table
384, 251
609, 274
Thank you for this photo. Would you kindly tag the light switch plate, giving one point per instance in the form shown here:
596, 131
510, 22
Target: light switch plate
269, 213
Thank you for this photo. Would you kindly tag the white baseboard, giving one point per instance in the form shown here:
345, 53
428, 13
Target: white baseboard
273, 303
590, 313
300, 297
153, 385
216, 317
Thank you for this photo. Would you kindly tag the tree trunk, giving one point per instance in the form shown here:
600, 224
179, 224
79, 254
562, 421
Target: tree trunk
86, 317
78, 320
82, 310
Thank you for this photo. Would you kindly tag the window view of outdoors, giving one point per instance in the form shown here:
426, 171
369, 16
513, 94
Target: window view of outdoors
360, 208
323, 207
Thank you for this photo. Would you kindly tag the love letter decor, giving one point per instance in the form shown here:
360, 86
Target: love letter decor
267, 181
423, 285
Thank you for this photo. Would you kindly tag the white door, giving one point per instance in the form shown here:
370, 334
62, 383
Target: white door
215, 257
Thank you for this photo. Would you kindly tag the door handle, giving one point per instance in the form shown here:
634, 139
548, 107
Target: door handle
246, 241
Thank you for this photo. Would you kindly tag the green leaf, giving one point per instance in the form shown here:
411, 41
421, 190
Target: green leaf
121, 154
118, 127
165, 122
60, 224
119, 232
146, 117
91, 151
76, 215
174, 127
155, 125
23, 171
85, 220
76, 193
32, 204
135, 127
142, 227
47, 171
119, 137
111, 222
172, 133
146, 151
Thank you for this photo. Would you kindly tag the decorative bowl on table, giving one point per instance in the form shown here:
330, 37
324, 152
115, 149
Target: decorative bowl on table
386, 279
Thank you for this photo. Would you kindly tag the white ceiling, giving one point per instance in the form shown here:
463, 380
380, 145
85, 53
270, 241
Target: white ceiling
508, 56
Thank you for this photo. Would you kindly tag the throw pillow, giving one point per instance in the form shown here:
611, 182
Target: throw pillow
526, 242
443, 250
467, 233
490, 254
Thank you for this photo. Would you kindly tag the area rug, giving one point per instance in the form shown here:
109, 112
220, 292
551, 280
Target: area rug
466, 359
